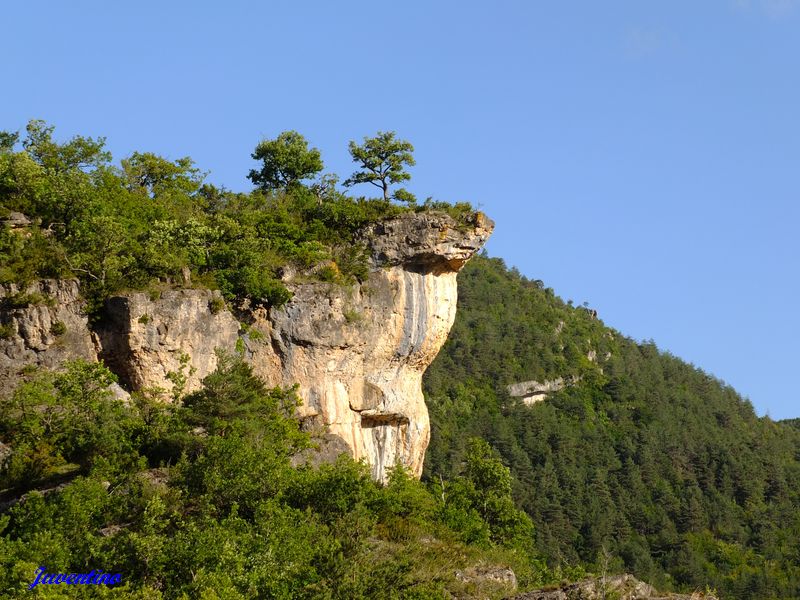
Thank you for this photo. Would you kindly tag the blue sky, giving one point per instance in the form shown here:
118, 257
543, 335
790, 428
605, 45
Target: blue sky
641, 156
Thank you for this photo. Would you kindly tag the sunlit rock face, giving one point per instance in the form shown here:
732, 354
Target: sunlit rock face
357, 353
358, 356
154, 342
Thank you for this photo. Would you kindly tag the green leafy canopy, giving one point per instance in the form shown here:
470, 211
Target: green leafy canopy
286, 161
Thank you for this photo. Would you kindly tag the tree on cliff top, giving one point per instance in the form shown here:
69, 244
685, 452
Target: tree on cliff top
383, 160
79, 153
286, 161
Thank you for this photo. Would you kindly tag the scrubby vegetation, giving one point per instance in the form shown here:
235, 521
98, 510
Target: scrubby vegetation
199, 499
646, 464
150, 221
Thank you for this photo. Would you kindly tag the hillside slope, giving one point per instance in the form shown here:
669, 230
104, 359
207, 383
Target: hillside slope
641, 462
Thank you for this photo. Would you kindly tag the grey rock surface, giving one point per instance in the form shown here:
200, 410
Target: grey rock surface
45, 325
16, 220
429, 241
621, 587
532, 392
145, 339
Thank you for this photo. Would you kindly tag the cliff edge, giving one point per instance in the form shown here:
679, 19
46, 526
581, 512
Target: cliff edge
356, 352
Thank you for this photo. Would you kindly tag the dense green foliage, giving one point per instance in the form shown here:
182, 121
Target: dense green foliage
200, 499
646, 458
152, 222
285, 162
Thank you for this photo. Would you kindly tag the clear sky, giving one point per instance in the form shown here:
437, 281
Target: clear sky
641, 156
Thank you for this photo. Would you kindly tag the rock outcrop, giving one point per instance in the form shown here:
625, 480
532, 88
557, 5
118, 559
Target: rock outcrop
622, 587
42, 325
16, 221
531, 392
357, 352
149, 340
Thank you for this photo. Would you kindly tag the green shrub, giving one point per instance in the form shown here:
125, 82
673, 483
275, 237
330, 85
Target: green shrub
329, 273
216, 305
352, 316
256, 335
58, 328
7, 331
223, 510
64, 418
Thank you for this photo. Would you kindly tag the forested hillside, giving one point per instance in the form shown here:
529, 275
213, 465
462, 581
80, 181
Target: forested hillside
645, 463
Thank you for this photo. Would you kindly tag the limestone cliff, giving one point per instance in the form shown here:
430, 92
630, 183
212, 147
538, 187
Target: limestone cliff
42, 325
145, 339
357, 353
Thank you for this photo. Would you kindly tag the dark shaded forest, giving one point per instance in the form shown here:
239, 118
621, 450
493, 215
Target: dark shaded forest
645, 463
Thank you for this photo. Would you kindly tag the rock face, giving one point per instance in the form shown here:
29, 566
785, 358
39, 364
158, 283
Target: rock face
623, 587
147, 341
357, 353
43, 325
532, 392
426, 242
